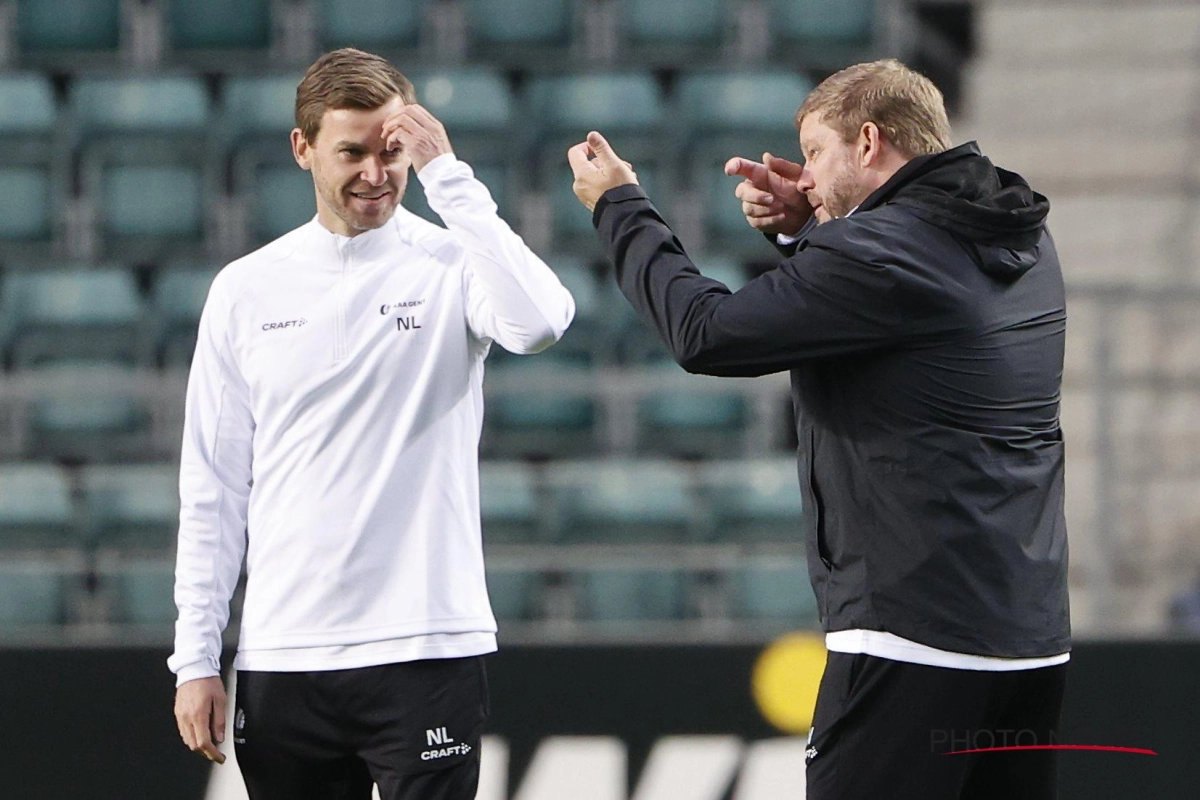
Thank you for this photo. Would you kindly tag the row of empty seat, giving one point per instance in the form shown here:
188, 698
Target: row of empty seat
190, 30
136, 507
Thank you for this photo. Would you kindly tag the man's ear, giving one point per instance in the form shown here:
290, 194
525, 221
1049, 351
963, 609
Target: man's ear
301, 149
870, 145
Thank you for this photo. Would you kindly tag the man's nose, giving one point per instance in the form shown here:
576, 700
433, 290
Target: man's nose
806, 182
373, 171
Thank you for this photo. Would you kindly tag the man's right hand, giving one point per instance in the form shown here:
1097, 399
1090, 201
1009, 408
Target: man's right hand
200, 715
770, 198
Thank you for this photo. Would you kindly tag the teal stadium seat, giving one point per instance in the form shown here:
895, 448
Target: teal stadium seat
152, 203
35, 507
692, 418
160, 105
69, 313
674, 28
470, 99
627, 594
774, 589
519, 23
823, 21
282, 198
26, 205
741, 113
375, 25
641, 501
89, 412
508, 502
571, 104
546, 408
27, 105
68, 26
754, 501
143, 589
260, 107
512, 591
132, 506
32, 593
589, 339
219, 25
179, 295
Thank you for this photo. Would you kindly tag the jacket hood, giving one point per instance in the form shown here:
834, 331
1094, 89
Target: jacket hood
962, 192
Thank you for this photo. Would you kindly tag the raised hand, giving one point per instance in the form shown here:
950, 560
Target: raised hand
597, 169
771, 200
419, 133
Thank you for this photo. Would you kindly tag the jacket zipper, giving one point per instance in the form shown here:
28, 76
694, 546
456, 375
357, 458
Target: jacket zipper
339, 325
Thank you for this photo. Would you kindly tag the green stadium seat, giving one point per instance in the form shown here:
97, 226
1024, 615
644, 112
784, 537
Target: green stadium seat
26, 104
260, 107
59, 26
180, 292
754, 501
692, 418
774, 589
88, 412
35, 506
133, 507
519, 22
617, 594
508, 502
158, 105
152, 202
512, 591
144, 590
369, 24
823, 21
282, 199
74, 313
219, 24
32, 593
551, 412
466, 99
26, 204
611, 102
623, 501
676, 24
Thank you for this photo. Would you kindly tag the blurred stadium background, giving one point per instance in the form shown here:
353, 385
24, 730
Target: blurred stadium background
642, 525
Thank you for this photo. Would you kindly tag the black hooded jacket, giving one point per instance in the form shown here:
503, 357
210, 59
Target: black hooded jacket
924, 335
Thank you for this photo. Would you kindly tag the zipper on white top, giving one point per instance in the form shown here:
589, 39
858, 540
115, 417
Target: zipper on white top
340, 348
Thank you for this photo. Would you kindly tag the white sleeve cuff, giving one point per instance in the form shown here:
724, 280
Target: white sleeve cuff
784, 240
434, 169
194, 672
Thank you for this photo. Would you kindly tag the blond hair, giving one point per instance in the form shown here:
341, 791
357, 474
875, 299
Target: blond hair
907, 107
347, 78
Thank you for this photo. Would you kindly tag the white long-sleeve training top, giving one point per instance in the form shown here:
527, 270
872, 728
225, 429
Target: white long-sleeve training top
331, 437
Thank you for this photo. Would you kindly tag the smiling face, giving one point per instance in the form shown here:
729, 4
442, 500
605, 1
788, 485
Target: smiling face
359, 182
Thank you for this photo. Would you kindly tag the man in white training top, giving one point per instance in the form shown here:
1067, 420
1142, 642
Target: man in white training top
333, 417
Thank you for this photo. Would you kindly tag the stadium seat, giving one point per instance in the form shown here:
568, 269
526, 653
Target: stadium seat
221, 25
74, 313
675, 28
143, 590
369, 24
68, 26
465, 99
180, 292
32, 593
26, 205
158, 105
162, 202
823, 21
27, 105
282, 198
35, 506
754, 501
508, 502
89, 412
519, 23
612, 102
260, 107
543, 409
512, 591
616, 593
133, 507
622, 501
691, 417
774, 589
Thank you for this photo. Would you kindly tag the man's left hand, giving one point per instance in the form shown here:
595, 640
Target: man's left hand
419, 133
597, 169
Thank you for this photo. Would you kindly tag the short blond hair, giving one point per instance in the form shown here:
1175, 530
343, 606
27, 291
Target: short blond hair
347, 78
909, 110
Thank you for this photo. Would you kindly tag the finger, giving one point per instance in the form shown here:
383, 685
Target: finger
749, 193
757, 211
759, 223
602, 148
788, 170
577, 157
751, 170
218, 718
211, 752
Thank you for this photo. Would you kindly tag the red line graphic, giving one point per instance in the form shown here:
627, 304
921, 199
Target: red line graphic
1106, 748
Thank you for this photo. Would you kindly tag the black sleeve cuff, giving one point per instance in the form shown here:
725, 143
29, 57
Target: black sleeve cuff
626, 191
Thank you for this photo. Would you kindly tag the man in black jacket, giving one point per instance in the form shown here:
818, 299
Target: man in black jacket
920, 311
